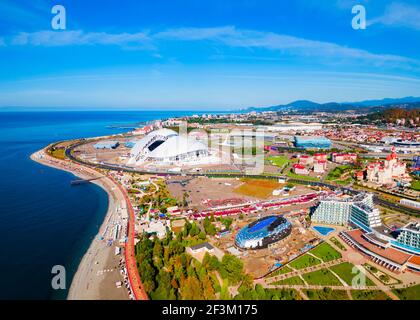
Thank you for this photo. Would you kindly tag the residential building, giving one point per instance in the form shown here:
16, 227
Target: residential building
306, 160
320, 166
343, 158
299, 169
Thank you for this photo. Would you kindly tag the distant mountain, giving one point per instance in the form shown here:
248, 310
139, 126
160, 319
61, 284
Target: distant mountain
386, 101
362, 106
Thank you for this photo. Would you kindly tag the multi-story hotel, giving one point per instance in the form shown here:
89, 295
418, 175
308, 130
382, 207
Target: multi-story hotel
337, 210
409, 238
365, 216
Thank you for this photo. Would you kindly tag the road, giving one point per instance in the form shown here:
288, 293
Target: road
130, 253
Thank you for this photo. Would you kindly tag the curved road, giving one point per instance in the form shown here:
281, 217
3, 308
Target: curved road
130, 254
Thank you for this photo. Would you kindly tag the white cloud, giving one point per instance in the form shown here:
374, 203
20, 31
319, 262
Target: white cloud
223, 36
233, 37
400, 14
78, 37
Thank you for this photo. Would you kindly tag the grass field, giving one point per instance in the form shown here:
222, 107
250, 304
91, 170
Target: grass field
410, 293
322, 277
415, 185
338, 243
304, 261
326, 294
325, 252
58, 153
337, 172
369, 295
279, 161
301, 177
282, 270
292, 280
257, 188
344, 271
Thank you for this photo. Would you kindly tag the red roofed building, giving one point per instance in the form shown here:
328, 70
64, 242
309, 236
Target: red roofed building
343, 157
320, 166
305, 160
300, 169
320, 157
360, 175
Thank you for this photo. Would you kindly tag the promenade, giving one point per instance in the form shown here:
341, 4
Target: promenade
130, 253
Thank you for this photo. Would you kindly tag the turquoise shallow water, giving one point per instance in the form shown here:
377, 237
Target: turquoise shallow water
44, 220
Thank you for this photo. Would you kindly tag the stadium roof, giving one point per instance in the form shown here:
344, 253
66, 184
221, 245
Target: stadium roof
176, 145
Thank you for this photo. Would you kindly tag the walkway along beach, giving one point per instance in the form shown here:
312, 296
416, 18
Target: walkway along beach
100, 268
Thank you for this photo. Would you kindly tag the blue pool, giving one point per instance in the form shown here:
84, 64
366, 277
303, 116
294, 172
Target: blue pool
325, 231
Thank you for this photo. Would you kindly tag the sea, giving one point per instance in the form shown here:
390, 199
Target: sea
44, 220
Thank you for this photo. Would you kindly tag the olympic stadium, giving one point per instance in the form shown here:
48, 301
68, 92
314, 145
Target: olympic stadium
166, 146
259, 234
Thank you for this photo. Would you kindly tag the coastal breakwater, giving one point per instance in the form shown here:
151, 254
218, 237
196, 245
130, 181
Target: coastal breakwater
100, 268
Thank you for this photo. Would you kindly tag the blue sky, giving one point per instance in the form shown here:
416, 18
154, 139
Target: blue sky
185, 54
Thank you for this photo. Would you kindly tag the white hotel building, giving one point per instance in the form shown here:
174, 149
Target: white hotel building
337, 210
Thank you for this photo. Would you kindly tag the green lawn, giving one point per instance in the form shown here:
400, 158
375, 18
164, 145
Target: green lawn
369, 295
304, 261
410, 293
415, 185
344, 271
337, 172
301, 177
292, 280
282, 270
322, 277
279, 161
326, 294
338, 243
344, 182
325, 252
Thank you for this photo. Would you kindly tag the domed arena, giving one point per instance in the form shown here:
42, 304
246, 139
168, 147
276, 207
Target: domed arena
259, 234
166, 146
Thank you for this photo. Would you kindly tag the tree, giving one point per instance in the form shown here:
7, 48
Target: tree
185, 197
232, 268
202, 235
195, 230
209, 228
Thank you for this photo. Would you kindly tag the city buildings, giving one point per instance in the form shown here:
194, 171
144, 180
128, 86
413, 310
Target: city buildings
295, 127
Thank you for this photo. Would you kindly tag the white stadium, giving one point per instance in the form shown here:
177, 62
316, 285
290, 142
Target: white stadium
165, 146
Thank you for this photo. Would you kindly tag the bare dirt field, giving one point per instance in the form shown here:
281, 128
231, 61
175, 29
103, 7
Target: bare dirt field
261, 189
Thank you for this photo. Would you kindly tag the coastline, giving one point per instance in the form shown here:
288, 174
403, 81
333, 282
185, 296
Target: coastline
99, 269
